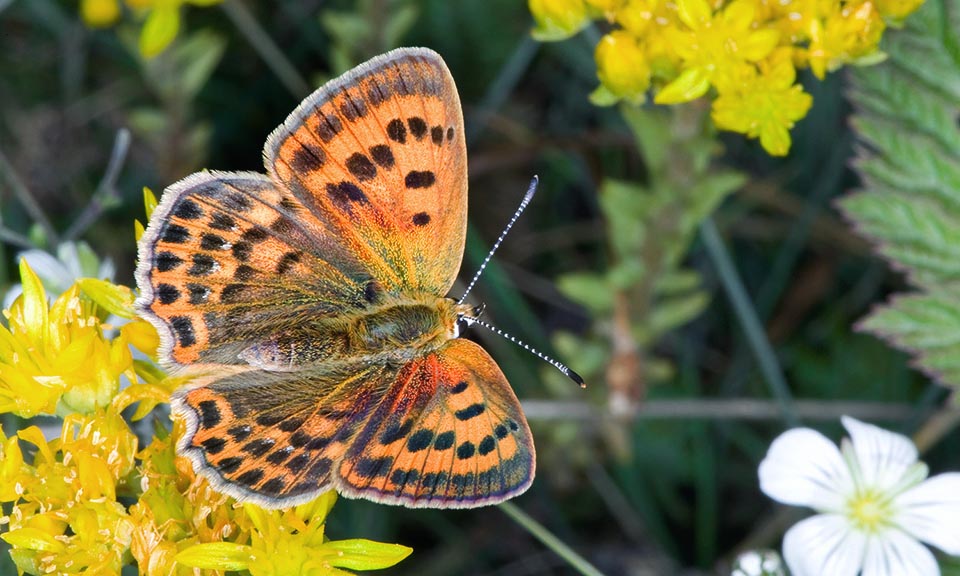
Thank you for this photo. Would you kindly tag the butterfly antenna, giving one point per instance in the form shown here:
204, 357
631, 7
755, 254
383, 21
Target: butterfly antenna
556, 364
531, 190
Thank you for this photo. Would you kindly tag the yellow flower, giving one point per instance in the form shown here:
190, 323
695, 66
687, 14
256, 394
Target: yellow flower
57, 360
844, 35
622, 66
897, 10
764, 105
65, 517
558, 19
99, 13
715, 47
292, 541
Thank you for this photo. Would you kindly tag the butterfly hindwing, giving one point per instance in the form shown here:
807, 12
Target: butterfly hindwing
449, 433
380, 154
275, 438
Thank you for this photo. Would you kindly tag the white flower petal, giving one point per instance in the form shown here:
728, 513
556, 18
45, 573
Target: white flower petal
884, 456
894, 553
823, 544
931, 512
804, 468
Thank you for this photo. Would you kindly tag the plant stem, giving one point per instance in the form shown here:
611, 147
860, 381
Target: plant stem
266, 48
749, 322
540, 532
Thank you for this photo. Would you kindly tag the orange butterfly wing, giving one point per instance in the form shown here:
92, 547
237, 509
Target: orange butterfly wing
449, 432
380, 154
228, 257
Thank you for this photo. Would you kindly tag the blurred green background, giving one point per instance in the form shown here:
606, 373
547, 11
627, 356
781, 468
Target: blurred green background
651, 473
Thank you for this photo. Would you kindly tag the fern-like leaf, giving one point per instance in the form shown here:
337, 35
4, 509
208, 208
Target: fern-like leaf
907, 121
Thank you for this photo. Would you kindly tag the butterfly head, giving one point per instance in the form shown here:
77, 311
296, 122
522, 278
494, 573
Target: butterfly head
467, 314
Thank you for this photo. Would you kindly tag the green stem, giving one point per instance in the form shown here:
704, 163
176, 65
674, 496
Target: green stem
266, 48
540, 532
749, 322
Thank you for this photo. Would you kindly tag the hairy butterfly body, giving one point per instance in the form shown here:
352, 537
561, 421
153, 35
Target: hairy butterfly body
309, 305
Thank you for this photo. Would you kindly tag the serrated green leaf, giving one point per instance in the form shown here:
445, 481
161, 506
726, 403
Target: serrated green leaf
910, 165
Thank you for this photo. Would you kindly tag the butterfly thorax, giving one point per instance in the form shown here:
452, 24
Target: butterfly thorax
395, 329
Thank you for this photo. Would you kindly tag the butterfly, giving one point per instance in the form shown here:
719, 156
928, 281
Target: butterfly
309, 305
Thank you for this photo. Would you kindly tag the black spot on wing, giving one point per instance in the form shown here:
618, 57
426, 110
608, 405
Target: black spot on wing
167, 293
420, 440
471, 411
444, 440
167, 261
382, 155
361, 167
396, 131
419, 179
214, 445
188, 210
417, 127
175, 234
183, 327
209, 414
421, 219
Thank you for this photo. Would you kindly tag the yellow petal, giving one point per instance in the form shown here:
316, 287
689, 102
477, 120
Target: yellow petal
216, 556
694, 13
690, 85
758, 45
739, 14
775, 139
113, 298
34, 310
33, 539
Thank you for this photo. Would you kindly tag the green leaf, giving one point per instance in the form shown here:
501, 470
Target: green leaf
360, 554
925, 324
590, 290
198, 57
909, 208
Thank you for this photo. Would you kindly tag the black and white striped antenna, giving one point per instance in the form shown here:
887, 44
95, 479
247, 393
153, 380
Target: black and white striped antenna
470, 321
555, 363
531, 190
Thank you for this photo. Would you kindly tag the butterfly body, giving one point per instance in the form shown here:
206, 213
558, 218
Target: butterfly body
395, 331
308, 305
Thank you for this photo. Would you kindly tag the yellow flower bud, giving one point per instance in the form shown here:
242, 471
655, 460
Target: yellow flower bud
622, 65
558, 19
99, 13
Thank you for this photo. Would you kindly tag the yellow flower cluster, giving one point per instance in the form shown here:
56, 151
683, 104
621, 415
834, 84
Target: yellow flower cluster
747, 51
91, 500
161, 19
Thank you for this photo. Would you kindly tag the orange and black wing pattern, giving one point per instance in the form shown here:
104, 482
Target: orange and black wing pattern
380, 155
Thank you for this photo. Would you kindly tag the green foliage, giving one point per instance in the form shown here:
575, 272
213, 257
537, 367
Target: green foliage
910, 205
649, 228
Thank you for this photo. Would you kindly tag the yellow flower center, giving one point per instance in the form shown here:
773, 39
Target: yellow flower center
869, 511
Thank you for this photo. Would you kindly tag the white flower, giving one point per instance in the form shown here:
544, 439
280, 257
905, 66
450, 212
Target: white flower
758, 563
875, 504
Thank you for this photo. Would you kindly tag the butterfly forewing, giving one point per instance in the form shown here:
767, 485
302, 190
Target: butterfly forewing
380, 154
448, 433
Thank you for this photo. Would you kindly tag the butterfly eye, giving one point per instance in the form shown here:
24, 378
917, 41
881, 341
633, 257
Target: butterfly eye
478, 310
